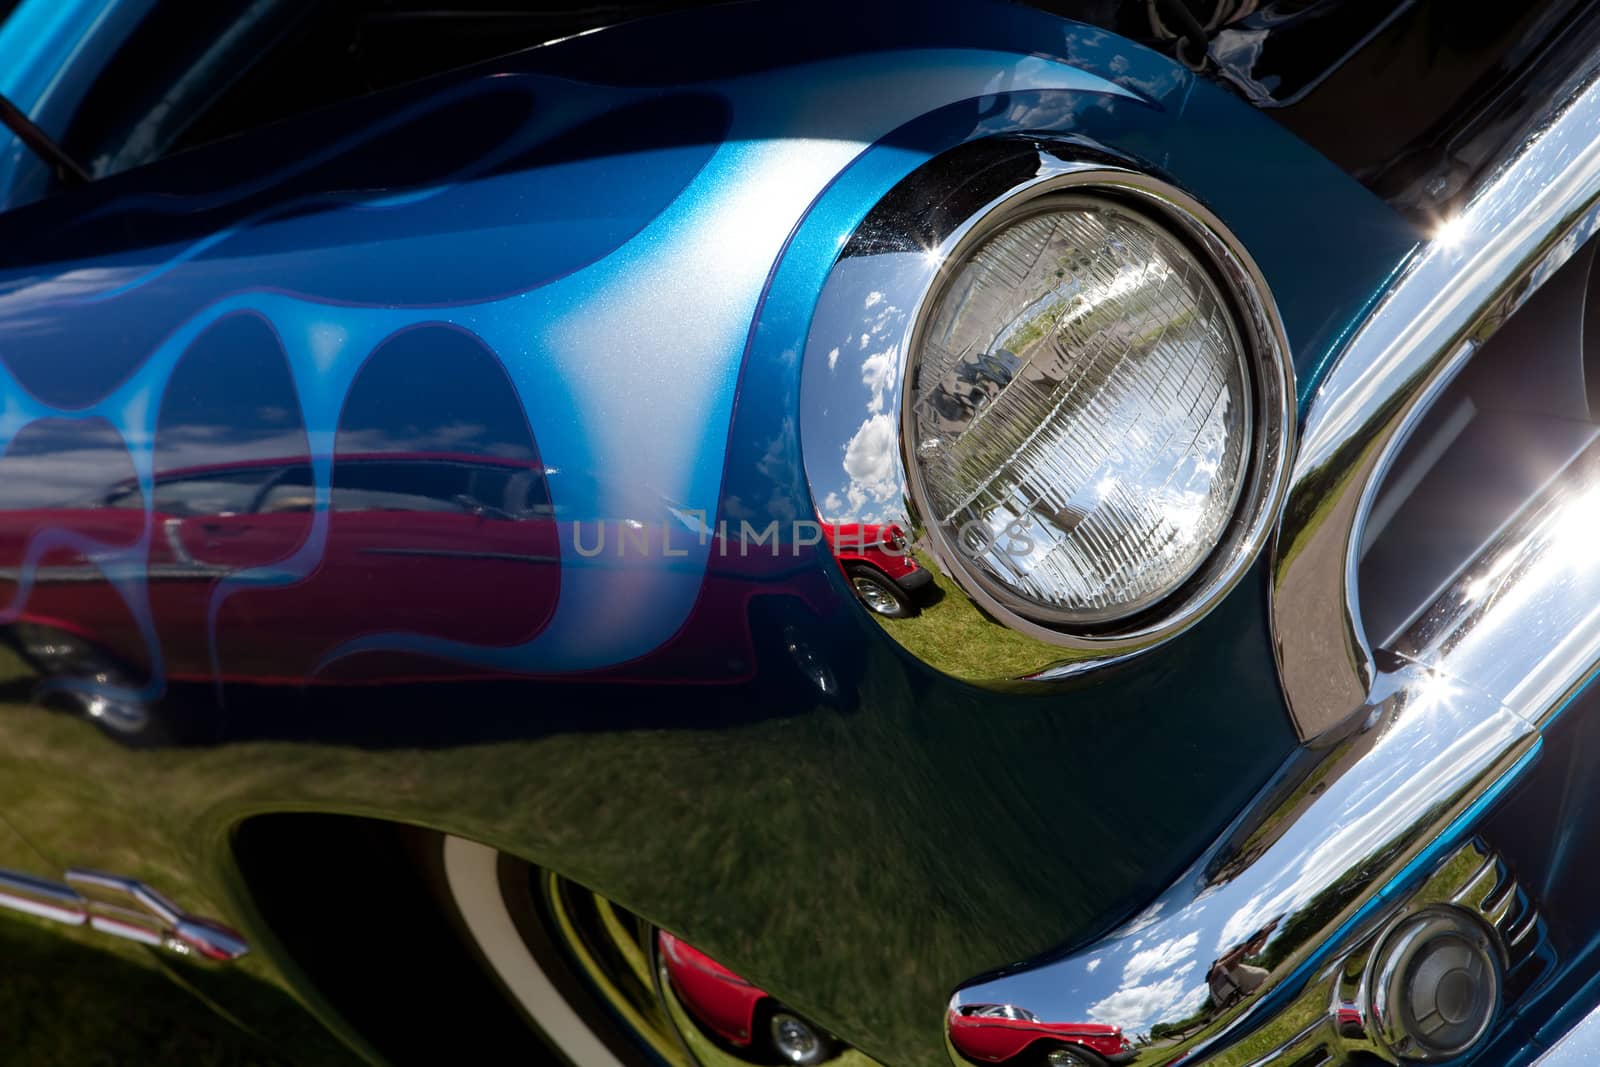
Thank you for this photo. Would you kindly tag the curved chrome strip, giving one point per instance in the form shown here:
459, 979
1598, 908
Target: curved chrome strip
154, 920
1542, 569
857, 360
1512, 236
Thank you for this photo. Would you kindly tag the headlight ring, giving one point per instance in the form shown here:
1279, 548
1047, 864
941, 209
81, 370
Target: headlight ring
1091, 396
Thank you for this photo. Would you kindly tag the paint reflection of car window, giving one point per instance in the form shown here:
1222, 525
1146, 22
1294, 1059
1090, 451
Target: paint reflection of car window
419, 485
222, 493
400, 487
526, 495
292, 492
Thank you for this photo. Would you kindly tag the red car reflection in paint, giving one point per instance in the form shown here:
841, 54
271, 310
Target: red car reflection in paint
739, 1013
877, 559
420, 542
714, 995
995, 1033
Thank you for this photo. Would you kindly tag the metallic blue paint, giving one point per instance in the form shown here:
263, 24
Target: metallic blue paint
628, 237
675, 246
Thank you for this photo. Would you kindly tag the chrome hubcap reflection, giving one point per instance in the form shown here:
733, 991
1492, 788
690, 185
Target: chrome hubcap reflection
794, 1040
1438, 985
1062, 1057
875, 596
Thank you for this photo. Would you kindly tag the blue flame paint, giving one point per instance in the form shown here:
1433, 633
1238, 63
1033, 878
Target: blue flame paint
623, 358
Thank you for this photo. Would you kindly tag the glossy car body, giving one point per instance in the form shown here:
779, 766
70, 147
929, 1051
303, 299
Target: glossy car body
880, 547
995, 1036
624, 260
434, 509
715, 995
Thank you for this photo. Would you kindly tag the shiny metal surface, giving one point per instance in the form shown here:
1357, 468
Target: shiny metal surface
1341, 1011
99, 901
173, 929
42, 898
1520, 227
869, 318
1435, 989
1195, 966
1579, 1047
1540, 568
1469, 688
1077, 420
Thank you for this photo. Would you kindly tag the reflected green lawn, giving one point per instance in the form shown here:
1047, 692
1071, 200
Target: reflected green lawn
952, 632
64, 1003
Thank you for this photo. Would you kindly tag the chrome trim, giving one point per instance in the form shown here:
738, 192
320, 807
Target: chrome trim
866, 324
1578, 1047
1512, 236
1463, 700
1287, 878
179, 931
41, 898
154, 920
1346, 997
1542, 566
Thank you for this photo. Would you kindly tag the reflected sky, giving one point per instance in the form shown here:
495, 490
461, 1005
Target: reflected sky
1154, 969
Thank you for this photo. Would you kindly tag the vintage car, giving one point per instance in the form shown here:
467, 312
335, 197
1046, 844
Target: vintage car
462, 465
743, 1015
877, 559
1003, 1033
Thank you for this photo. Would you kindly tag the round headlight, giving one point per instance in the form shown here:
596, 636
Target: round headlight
1078, 411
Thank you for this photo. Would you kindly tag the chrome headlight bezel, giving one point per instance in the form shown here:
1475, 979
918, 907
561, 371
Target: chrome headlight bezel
920, 235
1269, 387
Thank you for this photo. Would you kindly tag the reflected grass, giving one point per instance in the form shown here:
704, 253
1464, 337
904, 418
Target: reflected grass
821, 848
951, 631
69, 1004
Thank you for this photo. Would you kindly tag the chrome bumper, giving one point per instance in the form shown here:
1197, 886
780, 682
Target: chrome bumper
1407, 745
1579, 1047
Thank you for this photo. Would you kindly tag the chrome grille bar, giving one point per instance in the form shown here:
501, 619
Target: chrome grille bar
1512, 236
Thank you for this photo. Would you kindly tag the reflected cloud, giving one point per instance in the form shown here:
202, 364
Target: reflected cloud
878, 373
1166, 955
869, 460
1141, 1007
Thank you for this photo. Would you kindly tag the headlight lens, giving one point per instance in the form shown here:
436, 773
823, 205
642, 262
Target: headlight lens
1079, 412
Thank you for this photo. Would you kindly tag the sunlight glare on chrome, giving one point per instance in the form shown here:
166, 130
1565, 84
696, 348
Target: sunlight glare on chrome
1451, 232
1433, 693
1570, 541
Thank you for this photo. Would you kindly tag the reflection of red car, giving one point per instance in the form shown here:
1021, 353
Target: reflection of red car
453, 548
424, 542
733, 1009
878, 561
994, 1033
